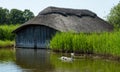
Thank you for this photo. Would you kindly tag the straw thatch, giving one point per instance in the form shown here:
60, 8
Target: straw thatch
64, 19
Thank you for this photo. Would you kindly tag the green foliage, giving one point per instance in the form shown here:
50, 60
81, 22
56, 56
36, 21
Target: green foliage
3, 15
6, 43
105, 43
114, 16
6, 32
64, 42
27, 14
14, 16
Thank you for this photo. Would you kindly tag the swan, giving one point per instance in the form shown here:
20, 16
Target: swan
68, 59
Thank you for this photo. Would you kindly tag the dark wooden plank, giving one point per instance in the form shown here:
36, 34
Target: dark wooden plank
32, 36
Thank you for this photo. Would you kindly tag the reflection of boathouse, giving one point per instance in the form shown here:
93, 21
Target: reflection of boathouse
34, 60
38, 31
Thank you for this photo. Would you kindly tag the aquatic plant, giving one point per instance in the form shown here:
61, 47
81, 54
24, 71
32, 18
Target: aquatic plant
105, 43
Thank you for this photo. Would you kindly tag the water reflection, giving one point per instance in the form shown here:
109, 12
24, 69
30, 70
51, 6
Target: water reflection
30, 60
34, 60
85, 65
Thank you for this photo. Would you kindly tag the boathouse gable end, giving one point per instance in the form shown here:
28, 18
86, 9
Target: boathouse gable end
37, 36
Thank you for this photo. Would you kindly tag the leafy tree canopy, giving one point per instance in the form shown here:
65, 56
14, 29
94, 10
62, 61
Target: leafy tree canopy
114, 16
14, 16
27, 14
3, 15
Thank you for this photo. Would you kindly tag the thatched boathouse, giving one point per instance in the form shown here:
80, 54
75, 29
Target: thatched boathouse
37, 32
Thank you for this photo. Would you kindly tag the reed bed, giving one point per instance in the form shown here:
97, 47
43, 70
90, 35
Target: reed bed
104, 43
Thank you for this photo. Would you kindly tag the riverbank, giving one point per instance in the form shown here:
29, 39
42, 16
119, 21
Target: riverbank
97, 56
6, 35
106, 44
6, 44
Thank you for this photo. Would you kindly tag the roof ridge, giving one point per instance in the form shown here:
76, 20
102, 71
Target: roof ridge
67, 11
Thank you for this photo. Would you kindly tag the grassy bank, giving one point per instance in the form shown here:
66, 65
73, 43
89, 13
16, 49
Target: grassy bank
6, 44
6, 35
105, 43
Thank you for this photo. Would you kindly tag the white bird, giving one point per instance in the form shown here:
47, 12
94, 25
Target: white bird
67, 59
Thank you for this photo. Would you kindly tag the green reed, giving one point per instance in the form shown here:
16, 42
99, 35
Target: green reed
104, 43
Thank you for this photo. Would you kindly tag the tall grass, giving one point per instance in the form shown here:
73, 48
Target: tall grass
104, 43
62, 42
6, 32
6, 44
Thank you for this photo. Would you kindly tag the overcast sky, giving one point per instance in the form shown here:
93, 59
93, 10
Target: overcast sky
100, 7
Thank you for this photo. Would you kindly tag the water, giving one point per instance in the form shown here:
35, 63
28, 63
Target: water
30, 60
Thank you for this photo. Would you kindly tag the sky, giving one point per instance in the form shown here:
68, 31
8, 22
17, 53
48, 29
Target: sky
100, 7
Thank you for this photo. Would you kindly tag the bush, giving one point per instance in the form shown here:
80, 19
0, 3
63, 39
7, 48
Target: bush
6, 32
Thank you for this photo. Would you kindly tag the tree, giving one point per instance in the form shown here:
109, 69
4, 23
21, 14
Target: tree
27, 14
4, 13
7, 21
114, 16
16, 16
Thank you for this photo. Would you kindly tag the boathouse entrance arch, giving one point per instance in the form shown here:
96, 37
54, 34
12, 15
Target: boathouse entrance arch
34, 36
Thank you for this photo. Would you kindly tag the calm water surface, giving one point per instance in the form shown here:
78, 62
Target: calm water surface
30, 60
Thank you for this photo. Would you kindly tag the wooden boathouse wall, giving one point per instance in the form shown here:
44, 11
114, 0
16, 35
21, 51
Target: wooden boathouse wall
36, 36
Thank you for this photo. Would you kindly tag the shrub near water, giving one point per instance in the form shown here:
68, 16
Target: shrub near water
104, 43
6, 35
6, 32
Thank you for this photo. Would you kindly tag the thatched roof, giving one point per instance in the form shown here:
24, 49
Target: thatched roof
64, 19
